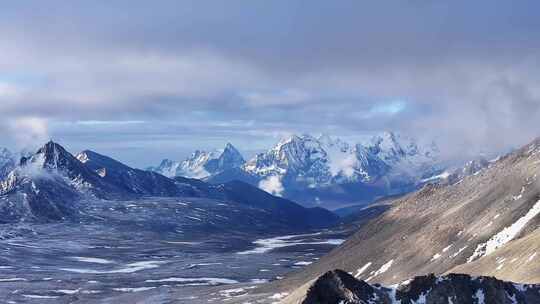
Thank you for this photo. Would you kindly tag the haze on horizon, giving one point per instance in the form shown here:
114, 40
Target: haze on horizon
143, 81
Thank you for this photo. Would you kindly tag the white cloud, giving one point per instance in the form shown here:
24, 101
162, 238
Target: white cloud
272, 185
28, 132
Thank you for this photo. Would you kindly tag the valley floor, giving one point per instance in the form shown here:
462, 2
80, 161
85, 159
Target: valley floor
111, 261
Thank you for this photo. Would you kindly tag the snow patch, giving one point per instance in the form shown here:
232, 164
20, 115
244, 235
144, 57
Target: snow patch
458, 252
30, 296
504, 236
278, 296
266, 245
381, 270
13, 280
479, 295
136, 289
92, 260
129, 268
445, 249
198, 281
362, 269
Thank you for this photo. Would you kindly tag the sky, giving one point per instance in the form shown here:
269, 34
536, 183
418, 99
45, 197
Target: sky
145, 80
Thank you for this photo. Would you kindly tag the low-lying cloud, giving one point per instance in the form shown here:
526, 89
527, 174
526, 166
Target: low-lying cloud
272, 185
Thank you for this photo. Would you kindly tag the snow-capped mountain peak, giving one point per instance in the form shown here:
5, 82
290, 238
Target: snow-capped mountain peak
334, 158
52, 156
297, 153
201, 164
302, 163
387, 147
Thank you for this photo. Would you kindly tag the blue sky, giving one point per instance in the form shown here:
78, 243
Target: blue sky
144, 80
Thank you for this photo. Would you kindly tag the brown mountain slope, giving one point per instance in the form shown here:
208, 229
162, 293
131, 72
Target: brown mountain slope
517, 261
439, 228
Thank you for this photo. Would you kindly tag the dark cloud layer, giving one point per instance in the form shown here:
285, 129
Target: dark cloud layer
121, 76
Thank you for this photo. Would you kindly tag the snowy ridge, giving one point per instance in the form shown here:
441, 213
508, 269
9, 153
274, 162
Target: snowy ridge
202, 164
305, 161
318, 169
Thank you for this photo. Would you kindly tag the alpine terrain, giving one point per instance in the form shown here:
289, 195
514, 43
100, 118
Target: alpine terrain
445, 243
322, 170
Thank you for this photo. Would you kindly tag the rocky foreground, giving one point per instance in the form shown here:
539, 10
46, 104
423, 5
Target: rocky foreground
340, 287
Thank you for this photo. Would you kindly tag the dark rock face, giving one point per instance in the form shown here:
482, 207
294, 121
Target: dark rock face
340, 287
229, 159
40, 198
127, 179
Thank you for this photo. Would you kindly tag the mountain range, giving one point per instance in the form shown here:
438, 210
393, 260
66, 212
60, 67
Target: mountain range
320, 170
482, 224
52, 185
468, 235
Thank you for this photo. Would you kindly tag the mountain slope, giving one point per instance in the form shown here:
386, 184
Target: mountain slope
279, 209
126, 178
518, 260
47, 185
470, 226
282, 209
29, 195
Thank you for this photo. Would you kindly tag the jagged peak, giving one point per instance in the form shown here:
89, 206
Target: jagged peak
51, 155
51, 145
230, 146
385, 137
166, 162
294, 138
230, 151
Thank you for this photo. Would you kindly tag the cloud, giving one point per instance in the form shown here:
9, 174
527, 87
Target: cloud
188, 69
108, 122
28, 132
285, 97
272, 185
346, 165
